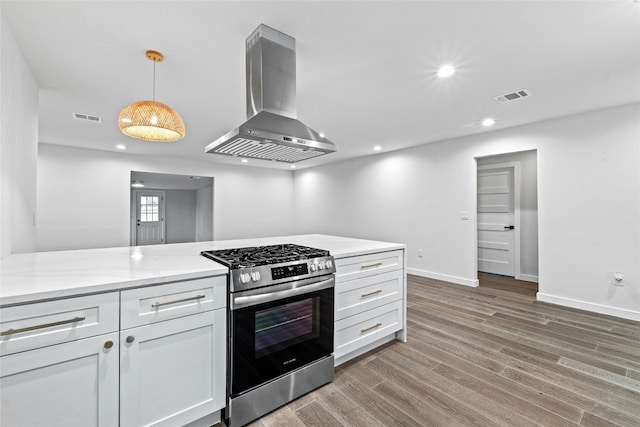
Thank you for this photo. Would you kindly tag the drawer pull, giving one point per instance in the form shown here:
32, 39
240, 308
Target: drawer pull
368, 294
160, 304
377, 264
108, 345
46, 325
130, 339
377, 325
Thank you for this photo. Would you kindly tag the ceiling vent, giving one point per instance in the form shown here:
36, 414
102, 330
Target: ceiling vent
87, 117
519, 94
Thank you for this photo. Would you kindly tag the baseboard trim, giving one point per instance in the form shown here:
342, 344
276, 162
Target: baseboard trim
444, 277
529, 278
589, 306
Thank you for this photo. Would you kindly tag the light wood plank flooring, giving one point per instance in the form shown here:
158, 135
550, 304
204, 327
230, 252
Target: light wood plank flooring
486, 356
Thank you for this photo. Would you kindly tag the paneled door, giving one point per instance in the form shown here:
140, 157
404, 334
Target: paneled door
496, 221
149, 217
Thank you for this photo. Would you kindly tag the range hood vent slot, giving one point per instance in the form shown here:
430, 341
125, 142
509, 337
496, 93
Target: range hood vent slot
272, 131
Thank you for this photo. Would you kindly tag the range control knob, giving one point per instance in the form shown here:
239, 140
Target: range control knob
245, 277
328, 263
255, 276
321, 265
313, 267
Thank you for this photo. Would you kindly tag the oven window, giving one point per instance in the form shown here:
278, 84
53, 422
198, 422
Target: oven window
286, 325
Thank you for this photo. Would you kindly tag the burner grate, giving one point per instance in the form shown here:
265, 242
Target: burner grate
253, 256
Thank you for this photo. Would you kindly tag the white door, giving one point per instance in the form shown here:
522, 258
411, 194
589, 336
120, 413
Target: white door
70, 384
496, 221
149, 217
173, 372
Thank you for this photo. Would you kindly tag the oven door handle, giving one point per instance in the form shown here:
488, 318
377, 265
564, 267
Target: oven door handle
250, 300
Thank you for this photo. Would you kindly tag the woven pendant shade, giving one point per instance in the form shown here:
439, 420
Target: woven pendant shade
151, 121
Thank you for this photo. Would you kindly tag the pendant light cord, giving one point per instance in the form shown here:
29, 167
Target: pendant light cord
154, 81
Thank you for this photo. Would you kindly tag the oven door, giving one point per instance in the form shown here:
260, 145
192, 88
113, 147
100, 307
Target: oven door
276, 331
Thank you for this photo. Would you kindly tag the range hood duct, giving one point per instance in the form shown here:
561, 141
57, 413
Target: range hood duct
271, 131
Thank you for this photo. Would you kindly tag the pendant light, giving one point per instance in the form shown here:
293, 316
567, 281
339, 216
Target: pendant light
151, 120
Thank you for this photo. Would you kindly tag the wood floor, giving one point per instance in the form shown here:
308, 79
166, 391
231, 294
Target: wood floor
486, 356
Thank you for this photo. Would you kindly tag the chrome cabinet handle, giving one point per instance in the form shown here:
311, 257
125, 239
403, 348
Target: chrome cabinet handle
45, 325
368, 294
377, 264
377, 325
160, 304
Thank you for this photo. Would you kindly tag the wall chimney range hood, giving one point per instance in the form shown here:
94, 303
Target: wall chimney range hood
271, 131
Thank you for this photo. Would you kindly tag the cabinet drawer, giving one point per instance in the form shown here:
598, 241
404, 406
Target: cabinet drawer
152, 304
356, 296
30, 326
357, 331
368, 265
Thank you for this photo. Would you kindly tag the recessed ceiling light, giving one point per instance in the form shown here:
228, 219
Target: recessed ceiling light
137, 184
121, 147
446, 71
488, 122
377, 148
321, 135
293, 166
244, 160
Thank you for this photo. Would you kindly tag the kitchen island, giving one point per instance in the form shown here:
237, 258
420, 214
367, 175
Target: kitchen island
134, 317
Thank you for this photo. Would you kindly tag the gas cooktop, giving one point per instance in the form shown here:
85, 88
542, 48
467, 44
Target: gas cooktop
263, 255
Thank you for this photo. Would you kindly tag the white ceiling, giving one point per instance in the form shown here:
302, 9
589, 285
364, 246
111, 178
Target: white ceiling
365, 69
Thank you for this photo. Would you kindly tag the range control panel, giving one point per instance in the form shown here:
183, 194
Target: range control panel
265, 275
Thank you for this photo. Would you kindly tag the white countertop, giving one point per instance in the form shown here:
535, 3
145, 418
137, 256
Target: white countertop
46, 275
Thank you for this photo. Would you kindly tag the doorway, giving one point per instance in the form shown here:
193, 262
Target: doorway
507, 197
184, 210
498, 210
149, 216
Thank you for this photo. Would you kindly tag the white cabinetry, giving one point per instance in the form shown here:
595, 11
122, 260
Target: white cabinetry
145, 356
53, 372
370, 302
172, 355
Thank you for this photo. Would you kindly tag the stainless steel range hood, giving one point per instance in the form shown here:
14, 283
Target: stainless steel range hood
272, 131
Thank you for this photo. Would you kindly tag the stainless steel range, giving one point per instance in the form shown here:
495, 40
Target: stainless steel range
281, 318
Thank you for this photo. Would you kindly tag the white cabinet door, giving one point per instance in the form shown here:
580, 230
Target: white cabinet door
70, 384
173, 372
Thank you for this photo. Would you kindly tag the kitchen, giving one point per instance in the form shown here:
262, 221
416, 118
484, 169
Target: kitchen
587, 151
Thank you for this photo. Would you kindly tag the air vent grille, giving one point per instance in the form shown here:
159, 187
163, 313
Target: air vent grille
87, 117
243, 147
519, 94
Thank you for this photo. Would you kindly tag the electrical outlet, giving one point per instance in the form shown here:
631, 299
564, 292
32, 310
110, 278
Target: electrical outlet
419, 253
464, 215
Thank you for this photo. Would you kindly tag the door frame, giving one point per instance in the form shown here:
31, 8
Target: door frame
516, 211
134, 214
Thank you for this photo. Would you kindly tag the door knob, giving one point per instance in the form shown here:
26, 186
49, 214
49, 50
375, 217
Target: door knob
509, 227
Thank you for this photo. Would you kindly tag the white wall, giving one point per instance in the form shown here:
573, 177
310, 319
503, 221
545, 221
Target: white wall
588, 205
180, 216
204, 214
18, 148
528, 208
83, 197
